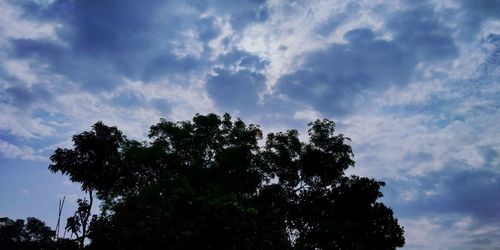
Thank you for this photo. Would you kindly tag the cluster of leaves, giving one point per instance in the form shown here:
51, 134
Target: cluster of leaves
209, 184
32, 235
77, 223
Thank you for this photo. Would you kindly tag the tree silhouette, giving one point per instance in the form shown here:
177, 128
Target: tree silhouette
32, 235
77, 223
208, 184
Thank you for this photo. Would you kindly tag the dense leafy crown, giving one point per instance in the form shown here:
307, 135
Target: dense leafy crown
207, 184
30, 235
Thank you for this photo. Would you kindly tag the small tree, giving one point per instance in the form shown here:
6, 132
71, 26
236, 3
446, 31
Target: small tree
78, 223
92, 163
207, 184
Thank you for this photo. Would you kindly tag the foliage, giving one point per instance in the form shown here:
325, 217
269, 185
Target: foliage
209, 184
77, 223
32, 235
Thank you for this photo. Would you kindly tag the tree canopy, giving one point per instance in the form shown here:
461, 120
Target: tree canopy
30, 235
210, 183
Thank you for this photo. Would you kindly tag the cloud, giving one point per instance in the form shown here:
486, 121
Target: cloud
22, 97
334, 78
13, 25
331, 79
236, 90
465, 192
475, 14
132, 41
449, 232
22, 123
392, 144
137, 41
415, 85
307, 115
421, 32
97, 52
11, 151
457, 205
237, 59
241, 12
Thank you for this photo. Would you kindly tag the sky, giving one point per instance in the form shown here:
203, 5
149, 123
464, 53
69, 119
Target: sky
414, 84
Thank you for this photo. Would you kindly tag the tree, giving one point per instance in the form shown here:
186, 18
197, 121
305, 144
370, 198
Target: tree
32, 235
93, 164
77, 223
208, 184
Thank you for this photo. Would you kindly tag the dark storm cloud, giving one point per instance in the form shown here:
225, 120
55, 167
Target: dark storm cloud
333, 78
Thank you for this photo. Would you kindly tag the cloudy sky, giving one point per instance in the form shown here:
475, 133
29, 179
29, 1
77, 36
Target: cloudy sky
414, 84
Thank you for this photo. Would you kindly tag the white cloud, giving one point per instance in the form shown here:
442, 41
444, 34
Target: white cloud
12, 25
427, 233
11, 151
392, 145
435, 232
291, 32
307, 115
188, 45
416, 93
21, 70
22, 123
409, 195
217, 45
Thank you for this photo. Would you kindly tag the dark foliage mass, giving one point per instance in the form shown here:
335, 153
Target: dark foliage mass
30, 235
209, 184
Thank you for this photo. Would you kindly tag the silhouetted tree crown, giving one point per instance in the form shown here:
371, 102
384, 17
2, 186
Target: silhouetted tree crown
207, 184
32, 235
